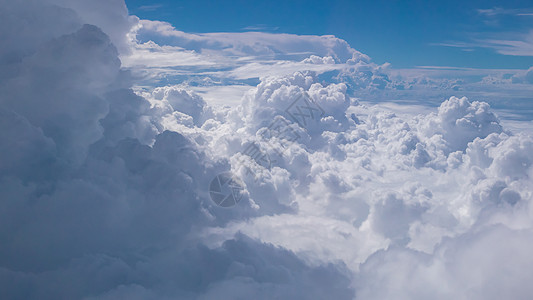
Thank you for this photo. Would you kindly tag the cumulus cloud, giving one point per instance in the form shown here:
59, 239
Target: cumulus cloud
98, 199
104, 190
463, 268
161, 54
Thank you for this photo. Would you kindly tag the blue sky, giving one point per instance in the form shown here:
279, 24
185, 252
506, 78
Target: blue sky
404, 33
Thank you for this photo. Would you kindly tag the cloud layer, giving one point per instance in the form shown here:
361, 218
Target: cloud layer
104, 190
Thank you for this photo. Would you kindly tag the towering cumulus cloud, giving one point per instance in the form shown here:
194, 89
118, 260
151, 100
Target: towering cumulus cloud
104, 190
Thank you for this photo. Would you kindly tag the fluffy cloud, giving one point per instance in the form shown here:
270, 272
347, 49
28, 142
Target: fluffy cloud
97, 199
473, 266
214, 63
104, 190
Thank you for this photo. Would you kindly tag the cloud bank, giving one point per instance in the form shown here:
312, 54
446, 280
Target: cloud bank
104, 185
224, 65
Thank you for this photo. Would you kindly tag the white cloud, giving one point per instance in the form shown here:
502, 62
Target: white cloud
251, 43
495, 11
150, 7
470, 267
213, 62
241, 55
104, 191
521, 46
98, 200
518, 42
389, 181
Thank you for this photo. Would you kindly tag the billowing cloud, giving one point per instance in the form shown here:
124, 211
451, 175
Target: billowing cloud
104, 189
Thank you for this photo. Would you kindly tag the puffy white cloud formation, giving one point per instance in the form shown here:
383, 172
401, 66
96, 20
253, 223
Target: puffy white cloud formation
215, 63
314, 59
97, 199
103, 191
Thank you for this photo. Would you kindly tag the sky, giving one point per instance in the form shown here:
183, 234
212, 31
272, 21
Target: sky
404, 33
151, 154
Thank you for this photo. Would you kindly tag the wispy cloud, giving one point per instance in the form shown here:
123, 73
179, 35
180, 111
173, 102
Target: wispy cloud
495, 11
467, 47
260, 27
516, 41
152, 7
452, 44
521, 46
